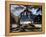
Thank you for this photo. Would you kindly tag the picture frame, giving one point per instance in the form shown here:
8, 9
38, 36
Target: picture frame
7, 15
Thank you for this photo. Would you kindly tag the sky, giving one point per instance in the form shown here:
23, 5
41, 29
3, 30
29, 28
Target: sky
15, 10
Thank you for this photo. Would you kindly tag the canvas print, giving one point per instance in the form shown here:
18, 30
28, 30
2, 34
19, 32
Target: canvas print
25, 18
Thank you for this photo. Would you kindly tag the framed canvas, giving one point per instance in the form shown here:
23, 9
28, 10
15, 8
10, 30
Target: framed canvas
24, 18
